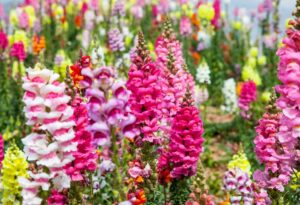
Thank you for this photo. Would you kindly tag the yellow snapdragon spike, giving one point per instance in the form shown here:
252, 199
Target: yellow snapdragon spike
266, 96
206, 12
250, 73
240, 161
253, 52
14, 166
237, 25
13, 18
262, 60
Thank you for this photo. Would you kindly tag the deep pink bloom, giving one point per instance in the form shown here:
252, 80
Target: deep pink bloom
3, 40
57, 198
145, 98
18, 51
85, 158
247, 96
1, 150
185, 143
216, 21
185, 26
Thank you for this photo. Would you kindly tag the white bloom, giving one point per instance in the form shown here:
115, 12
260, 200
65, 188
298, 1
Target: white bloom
107, 166
201, 94
97, 56
61, 181
203, 73
230, 96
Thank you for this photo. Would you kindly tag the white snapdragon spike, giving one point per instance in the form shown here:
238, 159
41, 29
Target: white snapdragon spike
97, 56
47, 108
201, 94
230, 96
203, 73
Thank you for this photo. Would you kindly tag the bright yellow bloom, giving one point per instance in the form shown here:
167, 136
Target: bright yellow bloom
60, 67
266, 96
240, 161
262, 60
253, 52
14, 166
237, 25
206, 12
250, 73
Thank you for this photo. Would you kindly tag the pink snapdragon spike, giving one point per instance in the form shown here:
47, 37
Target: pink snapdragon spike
165, 45
23, 20
119, 8
1, 150
239, 185
273, 152
261, 197
3, 40
57, 198
186, 140
145, 95
216, 21
85, 158
47, 109
185, 26
18, 51
246, 97
116, 40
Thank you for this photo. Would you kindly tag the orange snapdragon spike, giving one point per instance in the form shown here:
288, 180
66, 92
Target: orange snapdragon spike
38, 45
78, 21
75, 74
139, 179
140, 198
239, 88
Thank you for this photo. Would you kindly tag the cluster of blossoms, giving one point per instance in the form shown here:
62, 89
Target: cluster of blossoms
108, 109
116, 40
52, 143
230, 96
119, 8
203, 73
288, 72
185, 142
238, 183
247, 95
237, 180
14, 166
3, 40
1, 150
145, 95
273, 152
185, 26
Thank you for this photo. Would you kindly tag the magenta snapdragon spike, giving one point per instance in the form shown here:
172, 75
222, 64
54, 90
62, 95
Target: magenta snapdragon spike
247, 96
239, 185
185, 26
85, 158
185, 145
51, 145
145, 94
119, 8
1, 150
186, 140
116, 40
3, 40
18, 51
57, 198
273, 152
216, 21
